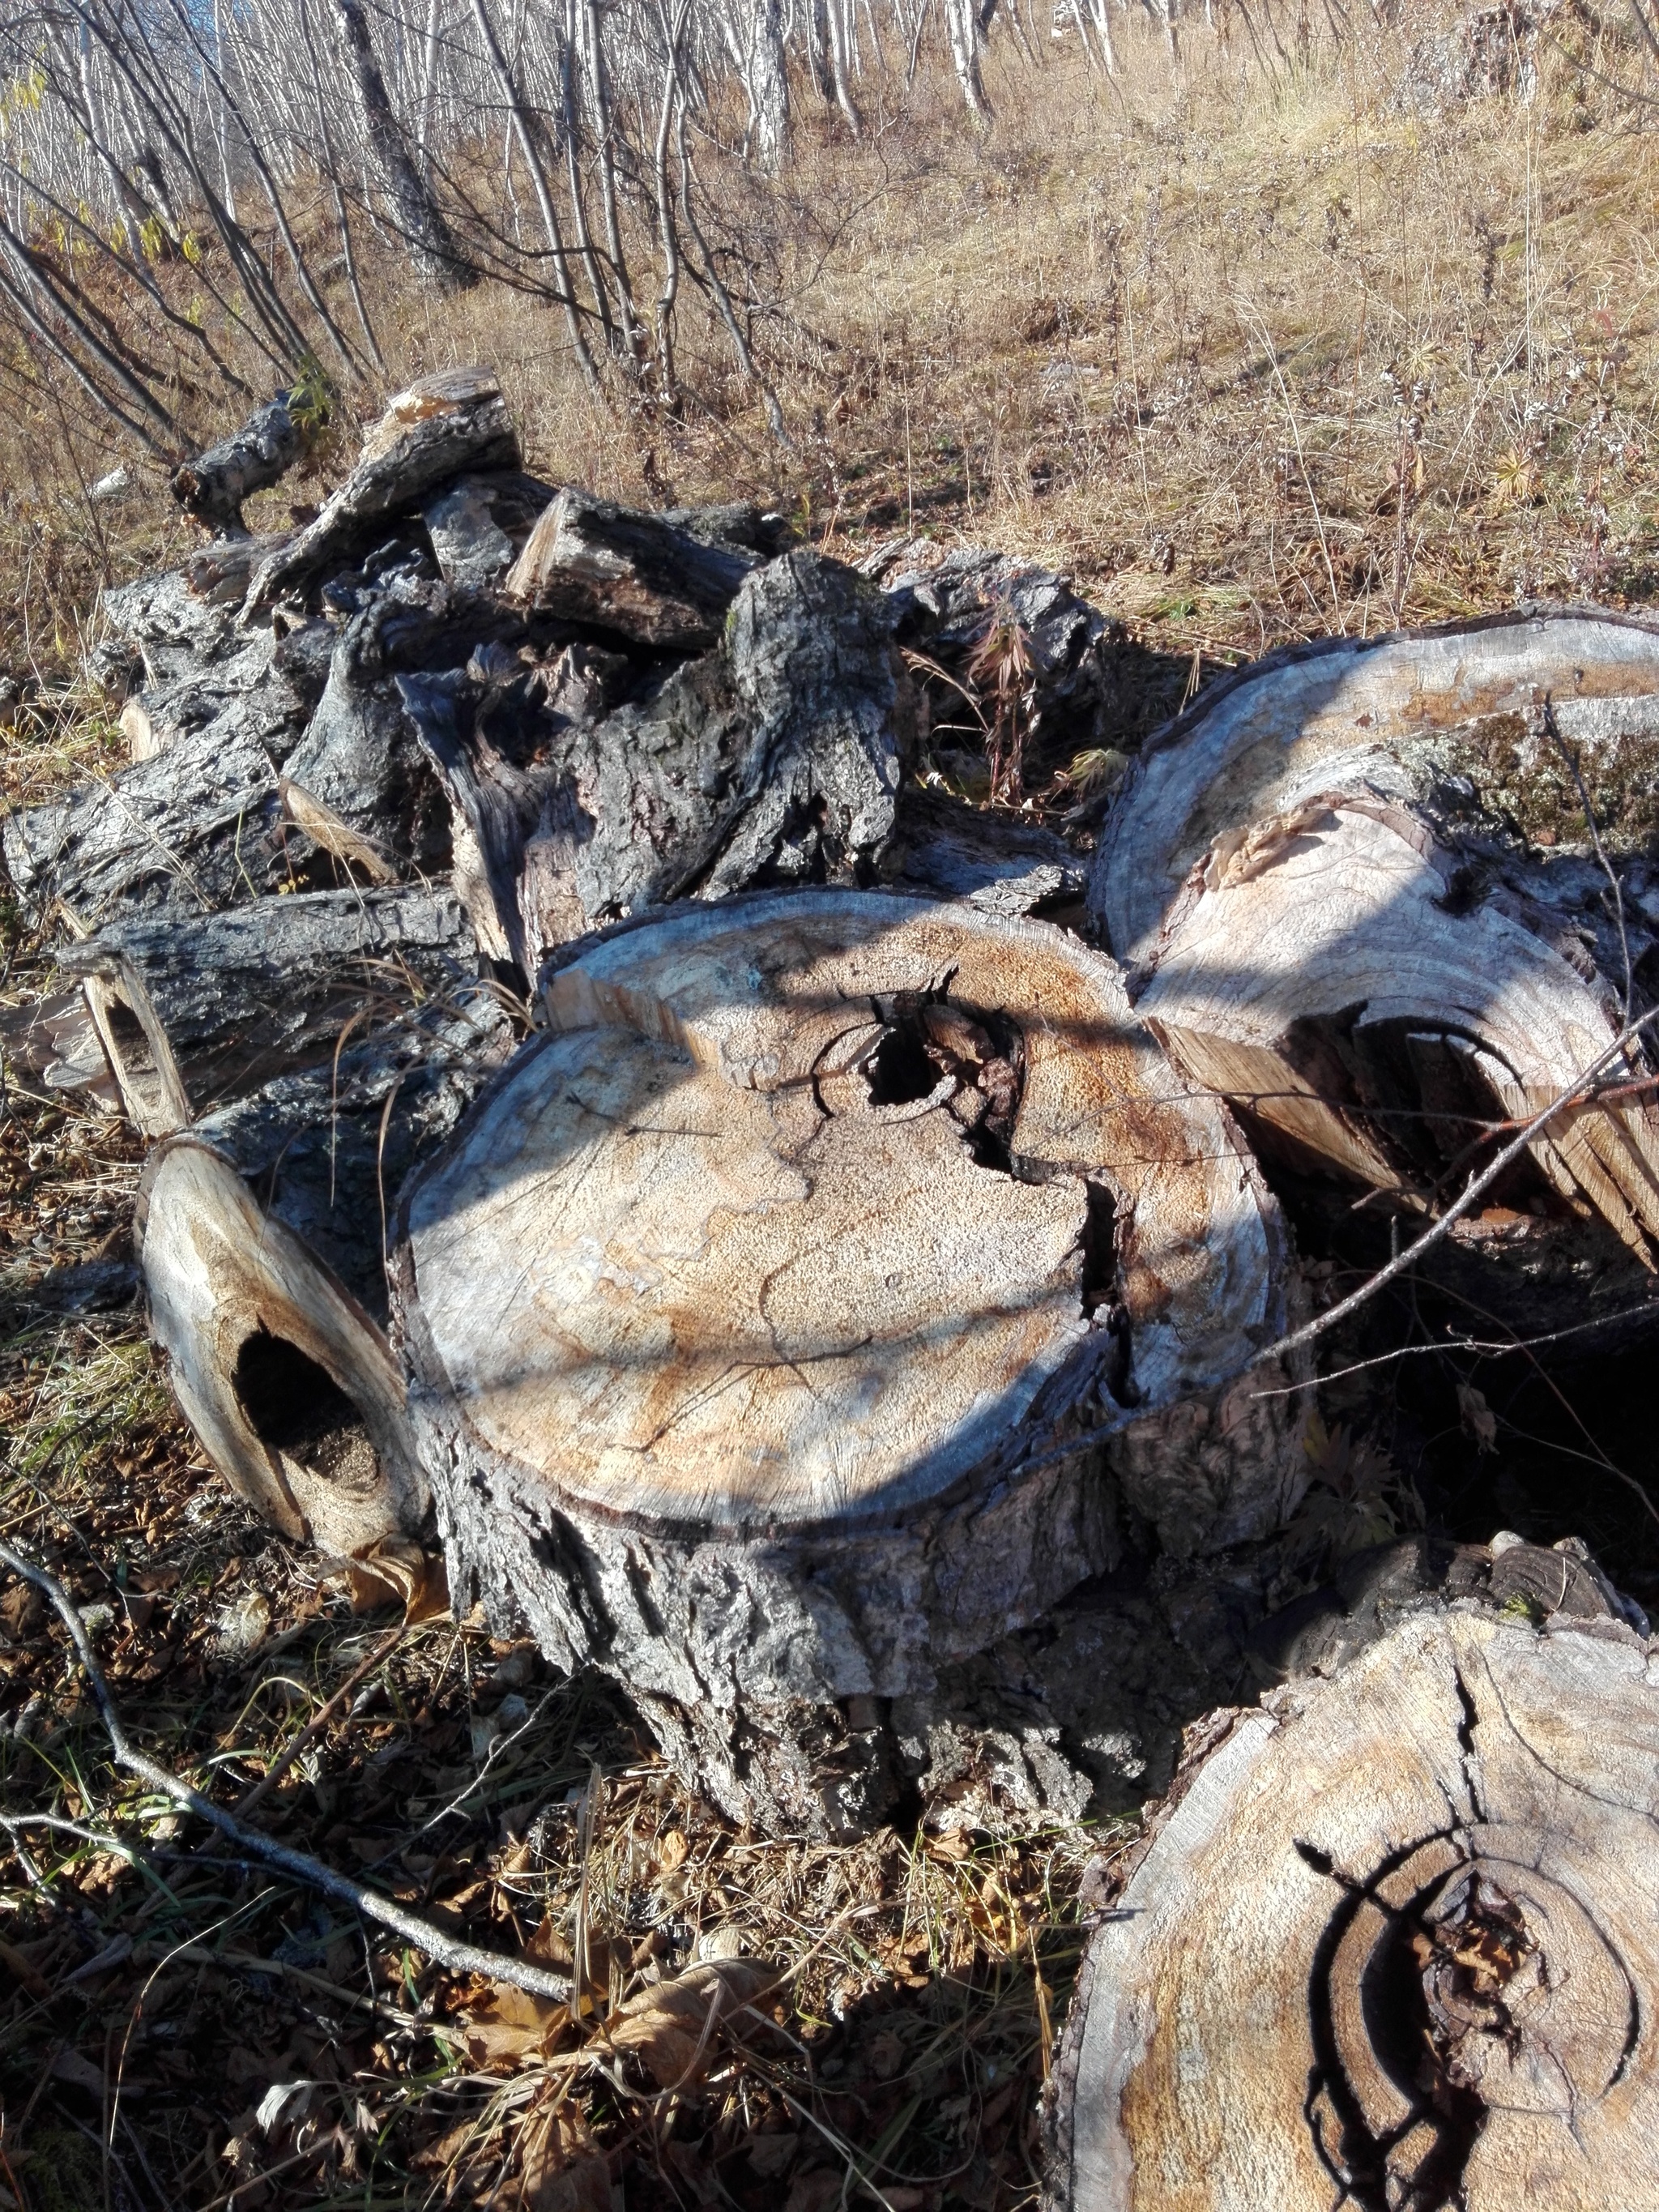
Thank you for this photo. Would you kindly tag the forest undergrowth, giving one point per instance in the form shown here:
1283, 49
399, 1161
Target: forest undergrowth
1256, 352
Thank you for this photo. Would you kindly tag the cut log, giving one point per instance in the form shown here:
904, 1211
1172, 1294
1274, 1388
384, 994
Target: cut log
804, 1310
1354, 892
260, 1235
774, 756
479, 524
441, 428
642, 575
192, 1012
1391, 1943
941, 848
211, 488
185, 832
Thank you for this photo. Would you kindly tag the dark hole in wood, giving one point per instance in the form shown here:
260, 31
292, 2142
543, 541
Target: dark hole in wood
295, 1406
131, 1046
899, 1069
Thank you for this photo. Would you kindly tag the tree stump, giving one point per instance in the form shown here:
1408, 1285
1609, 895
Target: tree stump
1355, 892
260, 1237
1391, 1943
807, 1306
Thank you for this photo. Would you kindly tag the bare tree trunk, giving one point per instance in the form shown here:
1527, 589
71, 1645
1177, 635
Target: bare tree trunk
421, 223
962, 20
768, 82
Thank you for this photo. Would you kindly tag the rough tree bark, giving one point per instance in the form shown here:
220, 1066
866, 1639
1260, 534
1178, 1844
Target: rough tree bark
191, 1012
440, 429
212, 487
1391, 1942
802, 1312
1356, 895
260, 1237
772, 758
662, 581
417, 215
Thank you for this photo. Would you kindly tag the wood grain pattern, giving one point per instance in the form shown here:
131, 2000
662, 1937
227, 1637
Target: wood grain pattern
1393, 1944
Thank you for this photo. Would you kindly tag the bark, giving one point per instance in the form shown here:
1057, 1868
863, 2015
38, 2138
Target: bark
766, 78
1356, 897
661, 581
766, 1491
438, 429
1388, 1941
260, 1238
192, 829
479, 525
944, 849
1076, 687
176, 660
774, 757
192, 1013
212, 487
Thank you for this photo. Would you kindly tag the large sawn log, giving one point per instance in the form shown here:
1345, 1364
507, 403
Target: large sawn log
1356, 895
810, 1305
1391, 1940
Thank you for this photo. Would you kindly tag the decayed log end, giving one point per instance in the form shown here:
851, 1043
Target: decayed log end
284, 1379
1395, 1942
768, 1319
1343, 907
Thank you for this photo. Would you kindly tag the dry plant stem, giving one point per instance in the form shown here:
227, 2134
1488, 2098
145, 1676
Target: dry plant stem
441, 1948
1404, 1261
319, 1721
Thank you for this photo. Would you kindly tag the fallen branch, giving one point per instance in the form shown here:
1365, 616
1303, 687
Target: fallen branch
442, 1949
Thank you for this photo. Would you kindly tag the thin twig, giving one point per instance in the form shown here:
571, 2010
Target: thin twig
442, 1948
1478, 1185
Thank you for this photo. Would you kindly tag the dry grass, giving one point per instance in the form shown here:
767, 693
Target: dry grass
1254, 357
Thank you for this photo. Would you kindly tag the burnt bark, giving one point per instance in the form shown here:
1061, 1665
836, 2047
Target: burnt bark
193, 1012
211, 488
661, 580
440, 429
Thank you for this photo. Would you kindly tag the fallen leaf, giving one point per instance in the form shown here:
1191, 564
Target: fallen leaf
24, 1970
565, 2171
22, 1609
674, 2028
772, 2156
815, 2192
1479, 1420
512, 2024
671, 1848
397, 1571
79, 2073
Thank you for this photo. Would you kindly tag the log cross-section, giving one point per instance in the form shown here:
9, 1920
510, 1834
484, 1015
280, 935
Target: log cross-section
1393, 1944
773, 1318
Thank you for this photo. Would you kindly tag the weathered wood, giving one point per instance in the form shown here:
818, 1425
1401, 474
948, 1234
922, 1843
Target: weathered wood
941, 848
1390, 1942
1353, 892
657, 579
187, 831
194, 1010
774, 757
801, 1311
260, 1237
479, 524
211, 488
441, 428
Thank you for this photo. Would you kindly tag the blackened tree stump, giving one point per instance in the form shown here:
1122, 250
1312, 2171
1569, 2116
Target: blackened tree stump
805, 1306
1394, 1943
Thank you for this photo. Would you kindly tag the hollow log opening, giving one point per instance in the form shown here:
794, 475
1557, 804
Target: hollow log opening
295, 1406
